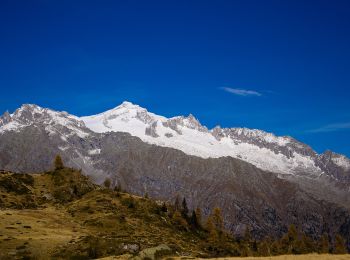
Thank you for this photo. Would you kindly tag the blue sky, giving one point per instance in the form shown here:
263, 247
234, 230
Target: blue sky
280, 66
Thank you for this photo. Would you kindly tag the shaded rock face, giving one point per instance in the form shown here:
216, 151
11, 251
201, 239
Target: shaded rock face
335, 165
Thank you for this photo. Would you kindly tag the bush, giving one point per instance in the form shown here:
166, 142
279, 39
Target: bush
58, 163
107, 183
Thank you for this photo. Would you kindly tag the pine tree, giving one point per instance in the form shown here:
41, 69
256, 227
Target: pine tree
184, 210
247, 242
118, 187
177, 204
323, 244
58, 162
339, 245
276, 247
217, 220
107, 183
199, 217
289, 241
264, 248
292, 233
164, 208
301, 246
307, 244
194, 220
213, 234
179, 220
247, 236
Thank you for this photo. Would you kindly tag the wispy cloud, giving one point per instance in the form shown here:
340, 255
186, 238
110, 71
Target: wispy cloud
241, 92
331, 128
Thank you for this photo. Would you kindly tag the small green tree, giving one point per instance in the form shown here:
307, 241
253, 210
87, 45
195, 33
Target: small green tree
323, 244
58, 163
118, 187
213, 234
194, 220
276, 247
177, 204
184, 210
304, 245
179, 221
107, 183
308, 244
339, 245
247, 243
264, 247
199, 217
289, 241
164, 208
217, 220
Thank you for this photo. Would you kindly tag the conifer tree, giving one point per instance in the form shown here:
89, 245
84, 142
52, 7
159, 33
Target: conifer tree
339, 245
307, 244
164, 208
289, 240
247, 236
302, 246
107, 183
179, 220
177, 203
323, 244
194, 220
199, 217
58, 162
213, 235
217, 220
184, 210
265, 247
247, 242
276, 247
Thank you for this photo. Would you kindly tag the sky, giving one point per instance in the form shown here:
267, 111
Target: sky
279, 66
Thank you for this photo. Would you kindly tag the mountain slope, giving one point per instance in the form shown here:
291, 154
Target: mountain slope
267, 201
283, 155
61, 215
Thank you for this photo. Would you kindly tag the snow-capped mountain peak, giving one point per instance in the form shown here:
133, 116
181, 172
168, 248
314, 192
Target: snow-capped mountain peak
279, 154
265, 150
54, 122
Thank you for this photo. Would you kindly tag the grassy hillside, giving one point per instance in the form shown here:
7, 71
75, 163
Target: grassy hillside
60, 214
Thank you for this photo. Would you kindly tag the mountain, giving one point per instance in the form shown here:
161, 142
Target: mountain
260, 180
282, 155
326, 175
268, 152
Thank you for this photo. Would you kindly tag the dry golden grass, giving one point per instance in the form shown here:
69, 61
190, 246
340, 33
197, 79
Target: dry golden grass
37, 231
282, 257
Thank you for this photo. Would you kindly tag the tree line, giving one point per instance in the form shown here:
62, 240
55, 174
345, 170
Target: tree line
222, 243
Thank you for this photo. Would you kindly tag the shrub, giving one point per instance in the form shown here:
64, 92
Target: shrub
58, 163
